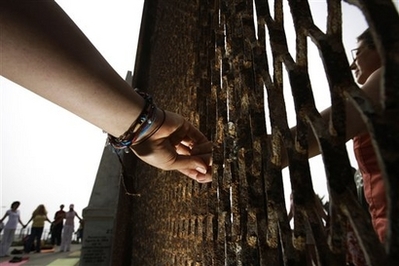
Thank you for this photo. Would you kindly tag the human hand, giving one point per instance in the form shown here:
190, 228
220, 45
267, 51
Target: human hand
178, 145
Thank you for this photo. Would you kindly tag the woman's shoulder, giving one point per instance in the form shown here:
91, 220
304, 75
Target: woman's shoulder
372, 86
376, 74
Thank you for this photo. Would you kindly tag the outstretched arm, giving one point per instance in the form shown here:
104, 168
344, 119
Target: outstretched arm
20, 222
2, 219
354, 122
45, 52
28, 221
77, 215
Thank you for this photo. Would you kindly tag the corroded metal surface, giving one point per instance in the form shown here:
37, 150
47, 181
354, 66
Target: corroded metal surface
204, 60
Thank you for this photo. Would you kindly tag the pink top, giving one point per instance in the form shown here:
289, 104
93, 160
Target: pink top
374, 190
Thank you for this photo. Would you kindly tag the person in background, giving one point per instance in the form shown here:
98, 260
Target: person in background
57, 225
368, 73
39, 217
69, 228
79, 232
44, 51
10, 227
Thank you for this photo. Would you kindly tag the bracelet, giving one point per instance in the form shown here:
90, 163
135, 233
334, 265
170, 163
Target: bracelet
143, 128
147, 129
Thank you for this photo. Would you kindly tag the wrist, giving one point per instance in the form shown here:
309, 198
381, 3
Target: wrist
151, 127
149, 121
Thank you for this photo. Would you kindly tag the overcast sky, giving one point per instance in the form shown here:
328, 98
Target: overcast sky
50, 156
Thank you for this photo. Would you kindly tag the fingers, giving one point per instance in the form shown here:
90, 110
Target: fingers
198, 167
194, 167
200, 178
167, 157
202, 148
185, 149
193, 142
194, 154
182, 149
178, 145
188, 135
194, 163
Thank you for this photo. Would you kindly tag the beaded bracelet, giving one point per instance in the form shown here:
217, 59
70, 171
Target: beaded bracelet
139, 131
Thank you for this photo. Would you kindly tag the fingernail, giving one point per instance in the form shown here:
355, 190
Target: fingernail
201, 170
200, 179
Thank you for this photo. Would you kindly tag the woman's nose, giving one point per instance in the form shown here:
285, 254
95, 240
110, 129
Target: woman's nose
353, 65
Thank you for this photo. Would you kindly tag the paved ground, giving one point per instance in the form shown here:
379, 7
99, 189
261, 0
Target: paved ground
49, 258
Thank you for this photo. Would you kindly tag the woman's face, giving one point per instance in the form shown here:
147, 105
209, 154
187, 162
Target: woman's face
15, 206
366, 62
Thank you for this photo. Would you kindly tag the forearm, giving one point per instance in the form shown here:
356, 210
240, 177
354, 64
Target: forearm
353, 127
45, 52
313, 147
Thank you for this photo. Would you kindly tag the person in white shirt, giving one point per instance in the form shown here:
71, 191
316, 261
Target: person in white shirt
69, 228
10, 228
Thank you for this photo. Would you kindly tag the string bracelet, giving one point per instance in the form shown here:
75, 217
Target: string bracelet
150, 120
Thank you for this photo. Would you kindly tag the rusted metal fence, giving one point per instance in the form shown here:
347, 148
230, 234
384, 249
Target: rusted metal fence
209, 61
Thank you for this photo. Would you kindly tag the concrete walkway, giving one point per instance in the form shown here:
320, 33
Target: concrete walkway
48, 258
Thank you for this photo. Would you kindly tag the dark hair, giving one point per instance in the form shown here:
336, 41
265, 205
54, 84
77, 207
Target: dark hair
15, 203
367, 38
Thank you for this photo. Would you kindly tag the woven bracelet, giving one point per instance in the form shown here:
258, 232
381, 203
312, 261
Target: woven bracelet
145, 133
141, 129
